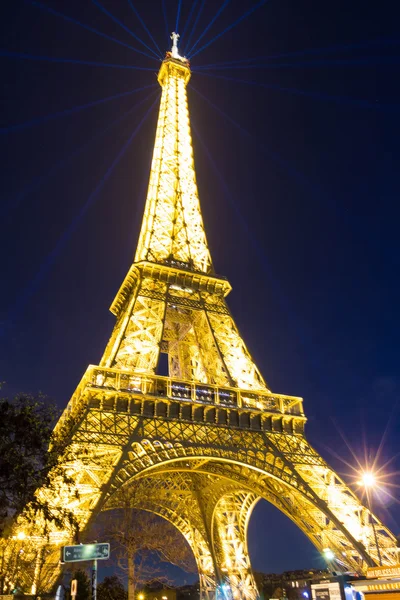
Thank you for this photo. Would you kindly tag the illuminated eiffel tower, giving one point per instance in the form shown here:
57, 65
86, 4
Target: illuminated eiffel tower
207, 442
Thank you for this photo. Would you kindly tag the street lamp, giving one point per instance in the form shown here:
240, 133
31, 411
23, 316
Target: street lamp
328, 554
368, 481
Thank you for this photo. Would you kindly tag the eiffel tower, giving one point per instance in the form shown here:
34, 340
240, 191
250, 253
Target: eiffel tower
205, 444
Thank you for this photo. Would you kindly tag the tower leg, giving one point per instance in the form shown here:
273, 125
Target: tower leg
230, 521
207, 579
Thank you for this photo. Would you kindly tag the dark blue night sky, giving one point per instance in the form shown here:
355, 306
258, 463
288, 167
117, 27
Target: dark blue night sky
298, 161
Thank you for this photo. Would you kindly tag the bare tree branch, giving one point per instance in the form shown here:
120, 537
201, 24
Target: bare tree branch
143, 543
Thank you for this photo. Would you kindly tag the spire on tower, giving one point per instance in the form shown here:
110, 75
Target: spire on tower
174, 50
172, 230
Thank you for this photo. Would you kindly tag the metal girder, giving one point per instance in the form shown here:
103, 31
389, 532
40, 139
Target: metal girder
172, 226
230, 522
327, 525
172, 498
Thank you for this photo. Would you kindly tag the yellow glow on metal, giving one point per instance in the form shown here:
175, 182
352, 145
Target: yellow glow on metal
171, 299
172, 228
201, 446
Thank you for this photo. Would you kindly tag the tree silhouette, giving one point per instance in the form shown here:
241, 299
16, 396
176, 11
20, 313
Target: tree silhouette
29, 451
111, 588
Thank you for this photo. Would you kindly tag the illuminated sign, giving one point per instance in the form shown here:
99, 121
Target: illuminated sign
85, 552
377, 572
322, 594
326, 591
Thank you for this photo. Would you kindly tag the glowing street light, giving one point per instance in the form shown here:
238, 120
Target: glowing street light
21, 535
328, 554
368, 481
141, 597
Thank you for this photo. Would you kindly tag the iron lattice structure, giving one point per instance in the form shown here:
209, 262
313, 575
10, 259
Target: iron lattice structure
207, 442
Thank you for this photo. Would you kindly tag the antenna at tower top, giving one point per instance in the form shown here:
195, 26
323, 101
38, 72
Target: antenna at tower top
174, 50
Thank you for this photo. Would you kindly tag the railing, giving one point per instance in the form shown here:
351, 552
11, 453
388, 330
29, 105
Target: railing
175, 389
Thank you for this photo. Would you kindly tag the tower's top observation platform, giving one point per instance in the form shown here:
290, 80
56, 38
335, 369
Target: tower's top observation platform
174, 63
